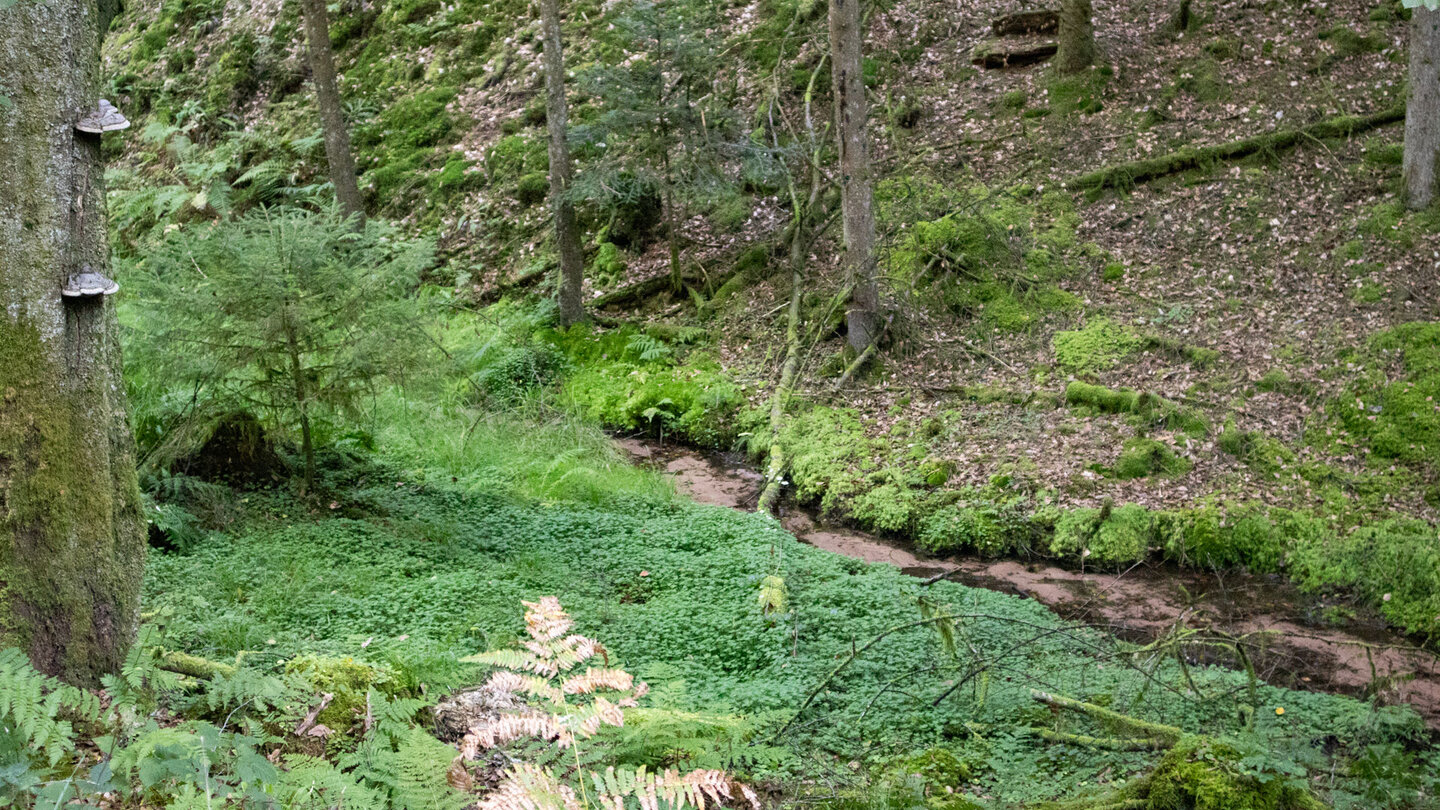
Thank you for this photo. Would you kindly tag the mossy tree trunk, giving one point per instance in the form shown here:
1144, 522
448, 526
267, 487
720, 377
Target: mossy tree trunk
557, 115
1077, 37
72, 541
332, 114
1422, 111
856, 195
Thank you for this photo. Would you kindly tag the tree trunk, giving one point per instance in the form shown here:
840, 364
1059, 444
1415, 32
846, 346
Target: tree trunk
1422, 112
557, 114
1077, 37
332, 115
857, 201
72, 542
302, 407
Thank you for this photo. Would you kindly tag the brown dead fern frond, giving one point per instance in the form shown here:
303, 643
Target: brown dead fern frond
590, 680
570, 710
528, 787
510, 727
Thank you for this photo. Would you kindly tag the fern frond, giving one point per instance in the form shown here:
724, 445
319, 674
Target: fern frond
671, 789
546, 620
510, 727
617, 680
31, 703
528, 787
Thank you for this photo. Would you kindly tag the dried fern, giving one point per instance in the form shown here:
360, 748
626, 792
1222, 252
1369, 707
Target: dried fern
571, 708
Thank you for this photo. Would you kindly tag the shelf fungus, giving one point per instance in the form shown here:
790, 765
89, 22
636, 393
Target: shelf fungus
89, 283
104, 118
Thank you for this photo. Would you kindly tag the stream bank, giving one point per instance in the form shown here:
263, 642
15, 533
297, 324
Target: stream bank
1293, 639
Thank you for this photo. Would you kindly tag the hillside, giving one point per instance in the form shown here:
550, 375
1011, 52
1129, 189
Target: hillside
1269, 311
1124, 494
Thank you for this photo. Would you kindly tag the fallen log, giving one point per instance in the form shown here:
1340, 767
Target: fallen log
1127, 175
1023, 23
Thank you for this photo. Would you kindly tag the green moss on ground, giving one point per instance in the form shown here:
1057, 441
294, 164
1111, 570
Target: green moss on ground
1394, 411
830, 455
1105, 536
1099, 345
1142, 457
1146, 410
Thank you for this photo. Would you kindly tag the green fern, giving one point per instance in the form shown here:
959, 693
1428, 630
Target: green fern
31, 704
311, 783
646, 348
419, 769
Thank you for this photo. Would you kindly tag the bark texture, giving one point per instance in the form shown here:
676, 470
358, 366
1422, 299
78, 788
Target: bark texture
557, 116
1077, 37
332, 115
72, 542
856, 195
1422, 111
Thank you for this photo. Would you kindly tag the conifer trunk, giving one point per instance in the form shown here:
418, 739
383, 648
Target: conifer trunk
856, 197
1077, 37
557, 114
1422, 111
72, 541
332, 115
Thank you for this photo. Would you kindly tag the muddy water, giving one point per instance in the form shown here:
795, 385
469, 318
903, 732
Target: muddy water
1291, 642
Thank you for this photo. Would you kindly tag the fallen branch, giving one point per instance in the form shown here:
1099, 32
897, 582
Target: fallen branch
1127, 175
1159, 735
193, 665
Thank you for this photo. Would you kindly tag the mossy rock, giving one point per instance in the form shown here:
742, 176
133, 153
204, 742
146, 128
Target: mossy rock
1204, 774
608, 264
533, 188
349, 680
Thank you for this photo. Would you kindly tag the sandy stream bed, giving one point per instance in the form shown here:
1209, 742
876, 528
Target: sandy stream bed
1301, 650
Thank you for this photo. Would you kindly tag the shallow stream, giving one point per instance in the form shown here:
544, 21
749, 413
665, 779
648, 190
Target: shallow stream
1294, 639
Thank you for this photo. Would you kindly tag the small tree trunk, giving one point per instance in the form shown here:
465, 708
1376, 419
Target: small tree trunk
72, 541
856, 197
1077, 37
672, 227
302, 407
567, 231
332, 115
1422, 111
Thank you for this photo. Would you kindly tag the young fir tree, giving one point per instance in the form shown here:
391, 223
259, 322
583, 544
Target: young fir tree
1422, 109
567, 230
332, 114
72, 541
284, 311
663, 127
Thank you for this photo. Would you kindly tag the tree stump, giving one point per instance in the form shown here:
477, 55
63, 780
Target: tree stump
1012, 52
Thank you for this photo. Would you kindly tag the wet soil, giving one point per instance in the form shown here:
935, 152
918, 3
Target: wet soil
1292, 638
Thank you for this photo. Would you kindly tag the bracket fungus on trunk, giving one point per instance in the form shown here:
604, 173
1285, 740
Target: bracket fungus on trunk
104, 118
89, 283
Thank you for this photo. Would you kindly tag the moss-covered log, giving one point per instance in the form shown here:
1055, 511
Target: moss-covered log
72, 542
1127, 175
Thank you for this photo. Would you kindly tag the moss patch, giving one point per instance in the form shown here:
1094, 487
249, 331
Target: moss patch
1099, 345
1142, 457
